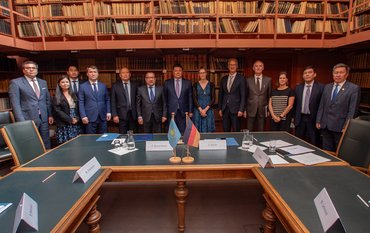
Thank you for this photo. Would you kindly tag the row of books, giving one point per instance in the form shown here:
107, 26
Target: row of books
34, 11
140, 63
5, 26
3, 12
311, 26
43, 1
361, 79
216, 63
4, 85
360, 22
111, 26
361, 5
4, 103
360, 61
122, 9
304, 8
186, 7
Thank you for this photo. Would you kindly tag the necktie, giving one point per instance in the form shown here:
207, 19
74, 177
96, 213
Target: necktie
306, 109
127, 95
151, 94
177, 87
95, 89
335, 92
74, 87
36, 89
258, 86
230, 82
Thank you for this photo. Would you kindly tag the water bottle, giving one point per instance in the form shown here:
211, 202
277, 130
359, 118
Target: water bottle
130, 140
246, 139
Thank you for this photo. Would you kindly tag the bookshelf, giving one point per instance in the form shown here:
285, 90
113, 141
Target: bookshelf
161, 24
5, 26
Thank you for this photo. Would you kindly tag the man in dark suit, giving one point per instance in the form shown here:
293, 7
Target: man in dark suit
339, 103
232, 97
179, 97
307, 101
151, 105
258, 95
94, 103
73, 75
30, 100
123, 99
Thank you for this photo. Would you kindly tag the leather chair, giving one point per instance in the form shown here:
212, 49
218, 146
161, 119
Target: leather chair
23, 140
364, 117
354, 146
6, 117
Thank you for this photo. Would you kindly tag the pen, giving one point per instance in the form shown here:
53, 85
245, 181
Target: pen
363, 201
255, 139
49, 177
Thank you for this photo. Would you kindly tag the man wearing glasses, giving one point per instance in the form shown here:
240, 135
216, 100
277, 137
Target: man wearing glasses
30, 100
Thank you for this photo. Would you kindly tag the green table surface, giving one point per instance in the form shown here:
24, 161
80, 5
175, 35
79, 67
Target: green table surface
298, 186
80, 150
55, 197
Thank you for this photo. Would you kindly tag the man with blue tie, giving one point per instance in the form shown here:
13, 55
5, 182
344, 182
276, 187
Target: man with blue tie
73, 75
307, 101
94, 103
179, 97
339, 103
151, 105
123, 98
30, 100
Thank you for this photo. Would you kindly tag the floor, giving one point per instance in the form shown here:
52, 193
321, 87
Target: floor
212, 207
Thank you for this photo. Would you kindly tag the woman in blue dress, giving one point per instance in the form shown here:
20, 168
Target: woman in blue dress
65, 106
204, 98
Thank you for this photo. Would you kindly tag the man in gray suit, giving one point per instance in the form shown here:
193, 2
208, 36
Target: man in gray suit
258, 95
30, 100
151, 105
339, 104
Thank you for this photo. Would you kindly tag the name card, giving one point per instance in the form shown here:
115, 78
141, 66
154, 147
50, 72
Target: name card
262, 158
328, 215
87, 170
212, 144
26, 215
158, 146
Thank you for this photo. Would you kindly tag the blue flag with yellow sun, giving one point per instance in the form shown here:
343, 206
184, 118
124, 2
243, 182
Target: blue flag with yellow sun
173, 134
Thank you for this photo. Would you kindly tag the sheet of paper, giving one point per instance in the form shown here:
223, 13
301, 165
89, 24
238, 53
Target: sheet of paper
107, 137
229, 141
4, 206
296, 149
121, 151
253, 148
276, 159
309, 159
279, 143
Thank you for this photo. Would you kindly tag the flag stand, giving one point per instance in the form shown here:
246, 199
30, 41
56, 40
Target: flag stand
188, 158
174, 158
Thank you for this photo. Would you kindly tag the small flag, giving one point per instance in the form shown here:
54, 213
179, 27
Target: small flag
191, 134
173, 134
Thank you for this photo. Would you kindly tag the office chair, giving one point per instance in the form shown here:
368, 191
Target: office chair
6, 117
354, 146
23, 140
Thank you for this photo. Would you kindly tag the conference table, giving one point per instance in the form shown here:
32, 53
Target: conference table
290, 193
140, 165
62, 205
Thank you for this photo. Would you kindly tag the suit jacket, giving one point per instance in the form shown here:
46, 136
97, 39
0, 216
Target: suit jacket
184, 102
93, 105
258, 100
62, 111
145, 107
333, 115
120, 105
25, 103
80, 82
315, 97
235, 99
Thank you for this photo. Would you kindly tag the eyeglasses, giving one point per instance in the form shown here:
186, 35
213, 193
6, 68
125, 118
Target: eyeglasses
202, 72
30, 68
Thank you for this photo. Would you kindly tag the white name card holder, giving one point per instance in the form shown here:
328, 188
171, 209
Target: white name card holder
328, 215
212, 144
262, 158
87, 170
158, 146
26, 215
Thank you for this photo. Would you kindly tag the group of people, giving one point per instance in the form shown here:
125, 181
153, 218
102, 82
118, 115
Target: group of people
86, 106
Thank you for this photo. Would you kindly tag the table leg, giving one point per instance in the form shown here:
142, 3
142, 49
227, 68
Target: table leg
181, 192
92, 220
270, 217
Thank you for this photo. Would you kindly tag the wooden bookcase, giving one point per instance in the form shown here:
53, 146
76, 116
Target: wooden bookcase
5, 26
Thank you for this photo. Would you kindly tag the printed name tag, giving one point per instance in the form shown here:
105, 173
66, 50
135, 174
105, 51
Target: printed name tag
212, 144
87, 170
261, 157
27, 211
158, 146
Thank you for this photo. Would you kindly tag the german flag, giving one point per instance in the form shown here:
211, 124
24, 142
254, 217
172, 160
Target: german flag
191, 134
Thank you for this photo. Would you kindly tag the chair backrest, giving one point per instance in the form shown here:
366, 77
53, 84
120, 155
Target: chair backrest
6, 117
354, 146
23, 140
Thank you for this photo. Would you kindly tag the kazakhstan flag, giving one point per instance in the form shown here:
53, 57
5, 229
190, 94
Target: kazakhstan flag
173, 134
